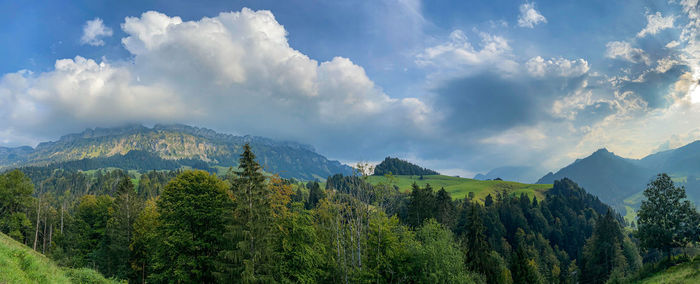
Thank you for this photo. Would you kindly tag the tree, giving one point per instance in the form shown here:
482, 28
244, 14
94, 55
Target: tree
253, 230
603, 252
120, 227
15, 197
192, 222
665, 219
444, 208
420, 205
315, 194
144, 241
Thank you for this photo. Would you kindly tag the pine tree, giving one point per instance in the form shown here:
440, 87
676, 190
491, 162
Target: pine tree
253, 225
120, 227
444, 208
603, 252
315, 194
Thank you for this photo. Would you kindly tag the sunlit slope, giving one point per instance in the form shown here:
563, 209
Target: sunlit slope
679, 274
20, 264
460, 187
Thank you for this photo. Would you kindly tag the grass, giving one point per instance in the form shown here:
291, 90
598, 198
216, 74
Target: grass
20, 264
688, 272
461, 187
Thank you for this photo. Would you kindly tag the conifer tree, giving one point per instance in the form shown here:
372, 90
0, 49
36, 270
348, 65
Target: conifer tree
120, 226
253, 225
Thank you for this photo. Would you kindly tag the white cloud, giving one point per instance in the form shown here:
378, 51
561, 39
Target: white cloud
625, 51
458, 53
234, 72
656, 23
94, 31
539, 67
529, 17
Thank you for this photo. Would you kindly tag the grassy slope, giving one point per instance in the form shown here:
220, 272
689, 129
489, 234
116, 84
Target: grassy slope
460, 187
682, 273
20, 264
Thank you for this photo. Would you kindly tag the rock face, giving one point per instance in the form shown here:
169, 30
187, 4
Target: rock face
177, 142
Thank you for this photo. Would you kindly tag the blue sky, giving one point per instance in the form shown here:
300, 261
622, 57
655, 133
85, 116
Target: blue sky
459, 86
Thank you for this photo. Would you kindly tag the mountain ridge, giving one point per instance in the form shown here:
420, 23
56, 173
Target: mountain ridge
176, 142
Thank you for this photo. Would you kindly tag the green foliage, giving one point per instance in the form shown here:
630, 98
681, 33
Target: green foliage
191, 220
315, 194
608, 254
421, 205
145, 241
19, 264
397, 166
252, 232
15, 197
120, 226
665, 219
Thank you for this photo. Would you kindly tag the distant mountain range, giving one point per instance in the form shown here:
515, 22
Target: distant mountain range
617, 180
512, 173
180, 144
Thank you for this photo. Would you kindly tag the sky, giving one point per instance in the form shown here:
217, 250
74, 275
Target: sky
458, 86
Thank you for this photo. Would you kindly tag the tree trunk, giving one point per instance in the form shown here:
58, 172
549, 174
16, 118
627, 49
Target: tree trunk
36, 232
62, 206
43, 238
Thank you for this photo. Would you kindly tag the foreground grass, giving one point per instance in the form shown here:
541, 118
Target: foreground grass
461, 187
20, 264
688, 272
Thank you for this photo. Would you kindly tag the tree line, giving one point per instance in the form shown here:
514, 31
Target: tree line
192, 226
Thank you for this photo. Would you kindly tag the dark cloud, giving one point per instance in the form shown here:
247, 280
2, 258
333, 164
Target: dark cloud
654, 87
491, 103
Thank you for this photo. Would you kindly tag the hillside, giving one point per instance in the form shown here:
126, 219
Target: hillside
461, 187
20, 264
683, 273
397, 166
610, 177
179, 143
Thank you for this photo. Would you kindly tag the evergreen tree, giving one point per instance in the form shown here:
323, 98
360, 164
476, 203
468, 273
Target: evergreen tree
315, 194
191, 213
444, 208
253, 232
665, 219
603, 252
120, 227
421, 204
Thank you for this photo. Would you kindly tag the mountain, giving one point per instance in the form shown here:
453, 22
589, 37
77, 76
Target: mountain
397, 166
616, 179
610, 177
511, 173
180, 143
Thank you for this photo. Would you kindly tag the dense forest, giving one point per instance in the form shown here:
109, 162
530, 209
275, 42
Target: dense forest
190, 226
397, 166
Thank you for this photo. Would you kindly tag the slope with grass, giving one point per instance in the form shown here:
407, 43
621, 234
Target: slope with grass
461, 187
20, 264
688, 272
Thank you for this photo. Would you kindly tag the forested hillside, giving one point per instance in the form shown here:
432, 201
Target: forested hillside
168, 147
193, 226
397, 166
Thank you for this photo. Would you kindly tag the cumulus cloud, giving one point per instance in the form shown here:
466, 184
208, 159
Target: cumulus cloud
93, 32
624, 50
529, 17
539, 67
656, 23
235, 72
